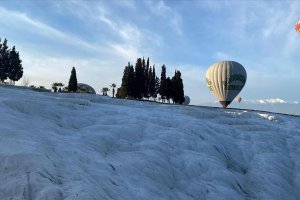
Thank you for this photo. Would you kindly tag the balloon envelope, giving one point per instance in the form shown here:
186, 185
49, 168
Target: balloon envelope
297, 26
186, 100
239, 99
225, 80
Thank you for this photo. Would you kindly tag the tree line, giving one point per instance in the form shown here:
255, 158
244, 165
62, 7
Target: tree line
141, 82
10, 63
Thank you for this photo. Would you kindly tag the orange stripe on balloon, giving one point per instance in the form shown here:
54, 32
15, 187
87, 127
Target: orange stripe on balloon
297, 26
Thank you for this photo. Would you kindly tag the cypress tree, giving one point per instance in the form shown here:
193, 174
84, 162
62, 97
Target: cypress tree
118, 94
72, 87
131, 81
143, 78
151, 89
4, 61
143, 62
1, 66
127, 87
169, 89
180, 89
15, 69
152, 82
123, 90
175, 89
146, 80
148, 63
178, 92
139, 79
162, 90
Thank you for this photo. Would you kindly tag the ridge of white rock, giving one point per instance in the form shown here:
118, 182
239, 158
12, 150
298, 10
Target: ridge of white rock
79, 146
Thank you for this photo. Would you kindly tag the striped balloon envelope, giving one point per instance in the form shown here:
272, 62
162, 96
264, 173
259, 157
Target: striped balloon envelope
225, 80
297, 26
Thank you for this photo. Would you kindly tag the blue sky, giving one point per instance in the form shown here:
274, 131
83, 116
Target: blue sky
100, 37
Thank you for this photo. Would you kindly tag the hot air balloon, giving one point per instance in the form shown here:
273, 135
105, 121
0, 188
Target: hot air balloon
186, 100
225, 80
239, 99
297, 26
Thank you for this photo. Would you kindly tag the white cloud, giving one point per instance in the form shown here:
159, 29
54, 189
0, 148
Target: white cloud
270, 101
127, 52
128, 32
173, 17
23, 22
129, 39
